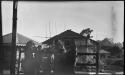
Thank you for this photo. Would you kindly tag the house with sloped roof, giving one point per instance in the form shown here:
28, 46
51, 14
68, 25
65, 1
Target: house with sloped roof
21, 41
73, 44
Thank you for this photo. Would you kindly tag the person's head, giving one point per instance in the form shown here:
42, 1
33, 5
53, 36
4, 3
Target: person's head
30, 44
39, 47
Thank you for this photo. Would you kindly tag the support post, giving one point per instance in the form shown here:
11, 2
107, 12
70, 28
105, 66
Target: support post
14, 30
97, 60
1, 41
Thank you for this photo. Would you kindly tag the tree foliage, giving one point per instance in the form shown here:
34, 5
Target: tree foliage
108, 45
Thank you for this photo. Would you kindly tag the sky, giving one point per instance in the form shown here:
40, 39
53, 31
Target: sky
38, 20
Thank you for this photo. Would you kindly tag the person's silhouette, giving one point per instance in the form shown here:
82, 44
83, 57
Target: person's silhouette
29, 62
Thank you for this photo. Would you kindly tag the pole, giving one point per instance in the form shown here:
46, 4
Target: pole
97, 59
1, 41
14, 30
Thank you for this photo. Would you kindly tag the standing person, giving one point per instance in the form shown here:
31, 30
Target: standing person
69, 59
47, 61
38, 54
59, 56
29, 60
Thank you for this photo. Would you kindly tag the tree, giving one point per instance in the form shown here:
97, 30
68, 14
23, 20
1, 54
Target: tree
87, 32
107, 42
119, 45
115, 51
108, 45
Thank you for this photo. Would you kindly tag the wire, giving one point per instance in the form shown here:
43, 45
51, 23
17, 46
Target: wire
46, 31
49, 29
55, 27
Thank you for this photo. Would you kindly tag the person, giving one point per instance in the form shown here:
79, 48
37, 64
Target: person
42, 61
59, 56
29, 63
37, 60
46, 61
69, 58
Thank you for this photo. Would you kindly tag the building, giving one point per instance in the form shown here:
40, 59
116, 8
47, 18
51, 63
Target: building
80, 49
21, 41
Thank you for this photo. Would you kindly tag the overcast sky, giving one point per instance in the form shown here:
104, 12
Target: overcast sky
50, 18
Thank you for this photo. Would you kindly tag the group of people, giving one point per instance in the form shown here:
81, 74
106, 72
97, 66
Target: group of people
36, 59
47, 60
